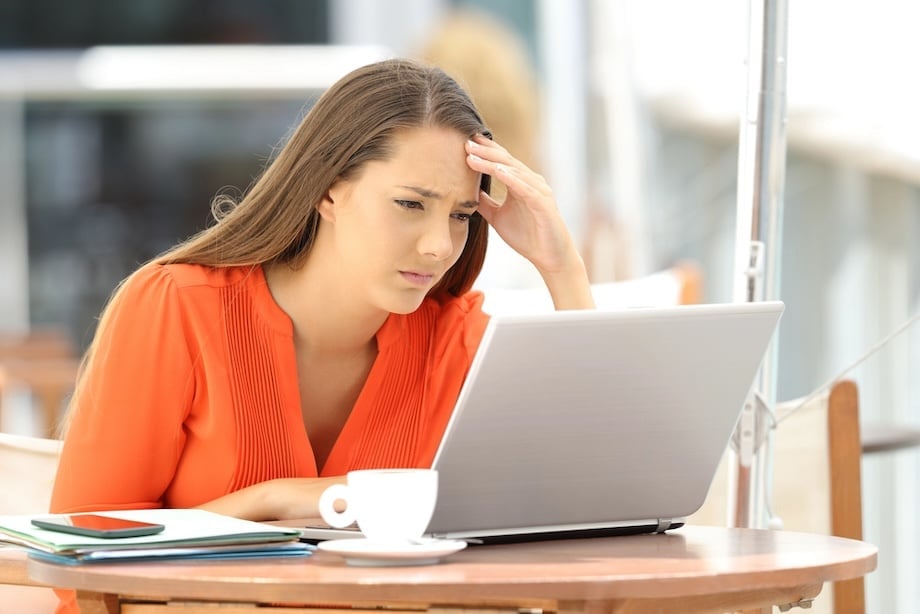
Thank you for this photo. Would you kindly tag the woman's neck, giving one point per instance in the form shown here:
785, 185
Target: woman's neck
325, 321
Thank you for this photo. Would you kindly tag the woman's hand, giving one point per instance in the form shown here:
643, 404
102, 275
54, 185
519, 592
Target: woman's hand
529, 221
281, 499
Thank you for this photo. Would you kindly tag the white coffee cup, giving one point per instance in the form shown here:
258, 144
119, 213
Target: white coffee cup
390, 505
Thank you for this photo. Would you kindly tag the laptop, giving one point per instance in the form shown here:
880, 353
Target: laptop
582, 423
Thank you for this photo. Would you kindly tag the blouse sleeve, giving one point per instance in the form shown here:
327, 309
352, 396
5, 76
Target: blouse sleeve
125, 435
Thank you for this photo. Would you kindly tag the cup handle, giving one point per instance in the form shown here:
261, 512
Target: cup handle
338, 520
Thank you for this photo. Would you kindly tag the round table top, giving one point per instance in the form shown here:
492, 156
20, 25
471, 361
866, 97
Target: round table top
692, 560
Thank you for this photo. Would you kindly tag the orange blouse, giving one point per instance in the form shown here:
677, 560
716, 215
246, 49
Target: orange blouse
193, 393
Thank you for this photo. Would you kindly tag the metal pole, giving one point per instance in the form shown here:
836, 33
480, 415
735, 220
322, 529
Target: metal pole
761, 177
562, 29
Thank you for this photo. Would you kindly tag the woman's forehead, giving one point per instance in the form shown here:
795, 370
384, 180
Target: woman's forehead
431, 159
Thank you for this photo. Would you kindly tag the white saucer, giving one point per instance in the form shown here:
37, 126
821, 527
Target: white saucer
364, 553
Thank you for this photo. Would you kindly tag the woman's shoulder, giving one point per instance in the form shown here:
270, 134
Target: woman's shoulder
199, 292
461, 306
448, 313
158, 279
438, 319
459, 321
184, 275
160, 284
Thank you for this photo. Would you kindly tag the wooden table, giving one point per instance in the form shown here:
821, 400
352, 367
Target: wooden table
692, 569
13, 567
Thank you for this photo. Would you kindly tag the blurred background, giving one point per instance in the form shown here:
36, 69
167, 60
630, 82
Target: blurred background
121, 119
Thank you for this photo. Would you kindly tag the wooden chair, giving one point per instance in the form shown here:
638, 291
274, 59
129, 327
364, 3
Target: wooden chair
817, 483
845, 454
42, 363
681, 284
49, 382
39, 343
27, 469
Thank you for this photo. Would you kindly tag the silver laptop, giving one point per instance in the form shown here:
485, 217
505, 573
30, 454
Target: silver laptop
578, 423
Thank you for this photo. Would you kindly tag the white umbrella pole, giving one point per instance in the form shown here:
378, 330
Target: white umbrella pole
761, 177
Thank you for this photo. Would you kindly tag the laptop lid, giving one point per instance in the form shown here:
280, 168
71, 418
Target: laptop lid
586, 420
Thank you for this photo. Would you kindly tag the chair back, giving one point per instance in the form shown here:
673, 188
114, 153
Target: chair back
816, 480
43, 364
27, 469
43, 343
678, 285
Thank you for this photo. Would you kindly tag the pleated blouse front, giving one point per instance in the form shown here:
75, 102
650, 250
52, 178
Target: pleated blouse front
193, 393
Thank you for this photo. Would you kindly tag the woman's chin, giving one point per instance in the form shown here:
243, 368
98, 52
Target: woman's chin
406, 303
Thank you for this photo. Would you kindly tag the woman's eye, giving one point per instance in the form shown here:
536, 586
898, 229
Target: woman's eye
462, 217
409, 204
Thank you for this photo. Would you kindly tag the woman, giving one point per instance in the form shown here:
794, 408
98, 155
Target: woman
324, 323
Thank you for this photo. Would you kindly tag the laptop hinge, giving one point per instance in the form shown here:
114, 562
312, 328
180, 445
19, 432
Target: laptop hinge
663, 525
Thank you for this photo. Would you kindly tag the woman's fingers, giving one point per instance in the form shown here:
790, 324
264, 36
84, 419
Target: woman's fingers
494, 160
488, 207
493, 152
486, 199
521, 185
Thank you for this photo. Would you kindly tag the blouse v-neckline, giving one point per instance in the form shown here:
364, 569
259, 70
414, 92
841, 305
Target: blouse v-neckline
339, 459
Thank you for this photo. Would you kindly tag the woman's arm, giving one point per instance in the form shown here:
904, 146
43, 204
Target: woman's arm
124, 436
281, 499
529, 221
126, 443
569, 286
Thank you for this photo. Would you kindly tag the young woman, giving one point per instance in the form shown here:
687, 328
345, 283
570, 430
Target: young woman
324, 323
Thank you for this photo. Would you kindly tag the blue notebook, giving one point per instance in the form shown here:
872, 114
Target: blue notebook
237, 551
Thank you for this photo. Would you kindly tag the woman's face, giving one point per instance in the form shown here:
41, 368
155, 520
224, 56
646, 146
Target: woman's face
400, 224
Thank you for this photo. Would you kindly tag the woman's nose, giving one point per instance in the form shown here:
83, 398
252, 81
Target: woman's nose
436, 240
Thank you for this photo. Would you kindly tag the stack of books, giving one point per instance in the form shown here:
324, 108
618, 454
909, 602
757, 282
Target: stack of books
186, 534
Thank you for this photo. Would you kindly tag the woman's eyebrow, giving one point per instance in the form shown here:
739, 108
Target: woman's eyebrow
421, 191
426, 193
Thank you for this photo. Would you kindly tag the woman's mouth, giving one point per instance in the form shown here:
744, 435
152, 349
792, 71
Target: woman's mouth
416, 278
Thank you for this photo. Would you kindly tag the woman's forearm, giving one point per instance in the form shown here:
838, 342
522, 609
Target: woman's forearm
569, 286
280, 499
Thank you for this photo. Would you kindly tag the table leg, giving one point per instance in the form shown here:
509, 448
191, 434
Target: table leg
97, 603
595, 606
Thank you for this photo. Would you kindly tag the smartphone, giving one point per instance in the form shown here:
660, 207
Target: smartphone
96, 525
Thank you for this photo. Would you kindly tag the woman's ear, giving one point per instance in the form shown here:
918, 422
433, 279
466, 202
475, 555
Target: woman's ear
327, 204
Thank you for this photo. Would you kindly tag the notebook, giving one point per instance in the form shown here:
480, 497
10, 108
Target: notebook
577, 423
187, 534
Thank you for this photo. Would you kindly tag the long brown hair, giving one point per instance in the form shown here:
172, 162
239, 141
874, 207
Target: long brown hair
351, 124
